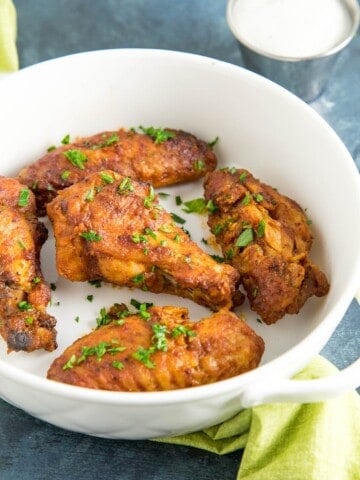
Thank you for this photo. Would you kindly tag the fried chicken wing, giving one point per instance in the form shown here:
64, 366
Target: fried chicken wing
164, 351
24, 295
160, 157
112, 228
266, 237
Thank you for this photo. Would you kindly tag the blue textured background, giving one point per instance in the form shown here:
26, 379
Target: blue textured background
31, 449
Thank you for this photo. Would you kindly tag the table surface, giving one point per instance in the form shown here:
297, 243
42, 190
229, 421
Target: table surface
32, 449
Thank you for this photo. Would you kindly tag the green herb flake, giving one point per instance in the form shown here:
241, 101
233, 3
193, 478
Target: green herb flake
139, 278
90, 195
148, 200
77, 319
65, 175
218, 259
29, 320
177, 219
66, 140
24, 306
51, 148
213, 142
159, 135
53, 287
90, 298
138, 238
77, 158
106, 177
24, 196
36, 280
150, 232
182, 330
242, 177
113, 138
163, 195
143, 355
21, 244
199, 165
70, 363
95, 283
159, 337
245, 237
117, 364
261, 228
103, 318
125, 186
178, 200
258, 197
246, 200
91, 236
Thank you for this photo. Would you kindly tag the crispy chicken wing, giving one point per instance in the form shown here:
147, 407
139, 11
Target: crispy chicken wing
112, 228
24, 295
266, 237
160, 157
163, 351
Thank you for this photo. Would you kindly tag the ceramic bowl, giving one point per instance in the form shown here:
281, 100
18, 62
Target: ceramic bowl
261, 127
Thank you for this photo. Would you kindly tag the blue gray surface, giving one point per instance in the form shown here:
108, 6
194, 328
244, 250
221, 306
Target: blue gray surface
31, 449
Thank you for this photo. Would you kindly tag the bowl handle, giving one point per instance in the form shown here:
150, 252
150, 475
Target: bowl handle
302, 391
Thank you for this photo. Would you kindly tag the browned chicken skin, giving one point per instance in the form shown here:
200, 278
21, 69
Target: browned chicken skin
24, 295
165, 351
160, 159
266, 237
112, 228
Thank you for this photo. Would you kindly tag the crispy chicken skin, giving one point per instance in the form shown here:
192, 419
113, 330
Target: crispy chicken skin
24, 295
266, 237
112, 228
176, 157
163, 352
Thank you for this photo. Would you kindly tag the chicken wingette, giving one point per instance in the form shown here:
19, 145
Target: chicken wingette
266, 237
159, 349
24, 323
158, 156
113, 228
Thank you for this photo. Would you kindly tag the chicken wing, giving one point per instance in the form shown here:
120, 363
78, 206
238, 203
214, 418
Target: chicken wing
24, 295
112, 228
159, 156
163, 351
266, 237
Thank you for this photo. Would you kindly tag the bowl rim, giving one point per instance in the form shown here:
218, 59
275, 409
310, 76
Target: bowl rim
283, 365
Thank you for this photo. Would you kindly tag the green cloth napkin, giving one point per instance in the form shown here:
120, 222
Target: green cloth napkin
291, 441
8, 53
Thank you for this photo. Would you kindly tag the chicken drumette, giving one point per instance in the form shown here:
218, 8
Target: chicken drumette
158, 156
112, 228
266, 237
159, 349
24, 295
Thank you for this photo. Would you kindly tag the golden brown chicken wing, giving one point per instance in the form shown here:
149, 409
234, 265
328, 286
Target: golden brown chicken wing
266, 237
163, 350
24, 295
158, 156
112, 228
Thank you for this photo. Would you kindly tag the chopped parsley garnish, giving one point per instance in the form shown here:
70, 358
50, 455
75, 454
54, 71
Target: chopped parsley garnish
91, 236
199, 205
139, 278
178, 200
117, 364
103, 318
213, 142
159, 337
245, 237
95, 283
163, 194
242, 177
258, 197
65, 175
77, 319
98, 351
90, 298
114, 138
138, 238
246, 199
90, 195
148, 200
126, 185
135, 303
143, 355
24, 196
21, 244
261, 228
29, 320
199, 164
51, 148
182, 330
217, 258
159, 135
36, 280
24, 306
106, 177
53, 287
66, 140
177, 219
76, 158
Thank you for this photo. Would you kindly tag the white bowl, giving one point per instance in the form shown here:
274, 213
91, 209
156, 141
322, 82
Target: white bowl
261, 127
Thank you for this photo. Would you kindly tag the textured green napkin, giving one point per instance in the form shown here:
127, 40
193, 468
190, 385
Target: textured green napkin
291, 441
8, 52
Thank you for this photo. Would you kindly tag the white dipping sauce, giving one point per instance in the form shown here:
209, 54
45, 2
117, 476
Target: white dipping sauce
292, 28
